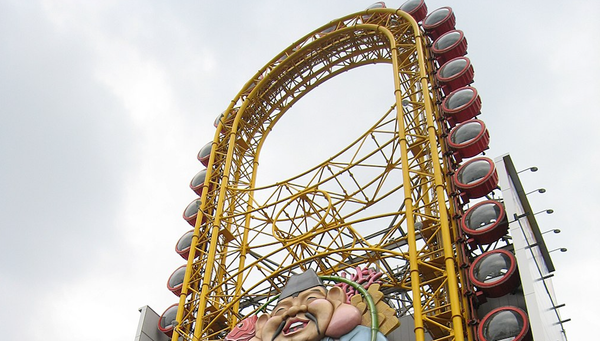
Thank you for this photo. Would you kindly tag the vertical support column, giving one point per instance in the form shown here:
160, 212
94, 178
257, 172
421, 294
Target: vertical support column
440, 187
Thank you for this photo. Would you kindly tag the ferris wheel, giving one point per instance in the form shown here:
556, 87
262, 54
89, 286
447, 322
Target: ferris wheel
386, 205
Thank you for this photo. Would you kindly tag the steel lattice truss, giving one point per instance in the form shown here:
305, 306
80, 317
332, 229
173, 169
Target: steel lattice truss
381, 202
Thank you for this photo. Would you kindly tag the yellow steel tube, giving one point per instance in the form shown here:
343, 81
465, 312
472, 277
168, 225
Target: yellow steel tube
193, 245
215, 229
244, 247
408, 194
447, 243
408, 204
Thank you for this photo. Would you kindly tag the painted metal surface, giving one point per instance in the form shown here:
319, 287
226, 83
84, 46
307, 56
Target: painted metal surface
381, 202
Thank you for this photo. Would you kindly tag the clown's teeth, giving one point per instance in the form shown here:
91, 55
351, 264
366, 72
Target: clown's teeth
296, 325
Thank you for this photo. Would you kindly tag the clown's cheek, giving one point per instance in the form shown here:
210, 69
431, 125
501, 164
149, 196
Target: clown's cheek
344, 319
270, 327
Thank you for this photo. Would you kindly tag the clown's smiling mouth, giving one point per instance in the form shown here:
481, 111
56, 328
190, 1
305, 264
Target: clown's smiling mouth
294, 326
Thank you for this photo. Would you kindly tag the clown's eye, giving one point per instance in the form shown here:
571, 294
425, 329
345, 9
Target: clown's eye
240, 325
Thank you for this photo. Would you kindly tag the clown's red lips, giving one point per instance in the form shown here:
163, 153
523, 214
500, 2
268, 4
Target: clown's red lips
294, 325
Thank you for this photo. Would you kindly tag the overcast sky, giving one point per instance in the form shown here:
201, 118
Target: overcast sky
104, 105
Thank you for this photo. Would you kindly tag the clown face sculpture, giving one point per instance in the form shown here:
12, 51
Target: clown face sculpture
306, 311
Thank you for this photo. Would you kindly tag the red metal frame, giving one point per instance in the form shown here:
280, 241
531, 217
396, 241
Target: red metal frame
525, 334
481, 187
434, 30
459, 79
504, 285
493, 232
456, 49
464, 112
472, 147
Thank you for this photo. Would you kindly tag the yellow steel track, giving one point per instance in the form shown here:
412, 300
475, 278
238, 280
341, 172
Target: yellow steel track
381, 202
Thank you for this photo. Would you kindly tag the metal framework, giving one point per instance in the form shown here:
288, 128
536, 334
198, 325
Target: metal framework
382, 202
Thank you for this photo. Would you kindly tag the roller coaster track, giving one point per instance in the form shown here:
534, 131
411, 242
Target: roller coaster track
381, 202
